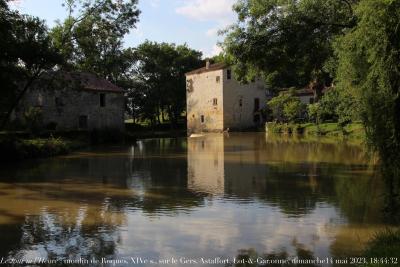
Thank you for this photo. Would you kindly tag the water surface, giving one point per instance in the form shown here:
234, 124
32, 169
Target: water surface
242, 195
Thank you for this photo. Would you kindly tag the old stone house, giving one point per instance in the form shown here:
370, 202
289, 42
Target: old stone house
74, 101
216, 101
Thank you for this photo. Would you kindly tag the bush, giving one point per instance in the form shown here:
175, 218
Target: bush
285, 128
314, 112
16, 149
286, 107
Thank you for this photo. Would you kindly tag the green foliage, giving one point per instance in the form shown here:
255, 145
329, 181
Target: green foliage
288, 42
383, 246
314, 112
369, 66
26, 51
91, 37
336, 106
17, 149
286, 107
293, 110
285, 128
328, 103
159, 80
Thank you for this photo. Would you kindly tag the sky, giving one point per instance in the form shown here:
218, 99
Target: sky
194, 22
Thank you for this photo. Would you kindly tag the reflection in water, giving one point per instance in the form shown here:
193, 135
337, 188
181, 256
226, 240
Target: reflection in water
198, 197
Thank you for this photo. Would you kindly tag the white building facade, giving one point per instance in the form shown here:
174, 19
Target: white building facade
216, 101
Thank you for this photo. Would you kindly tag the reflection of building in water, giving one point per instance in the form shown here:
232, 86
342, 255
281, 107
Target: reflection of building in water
206, 163
221, 164
244, 167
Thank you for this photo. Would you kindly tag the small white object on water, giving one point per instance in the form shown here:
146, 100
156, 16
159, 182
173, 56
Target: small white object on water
196, 135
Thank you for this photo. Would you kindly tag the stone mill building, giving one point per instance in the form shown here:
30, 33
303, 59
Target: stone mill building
216, 101
74, 101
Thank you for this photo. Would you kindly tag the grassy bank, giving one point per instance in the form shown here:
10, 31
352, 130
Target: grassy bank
331, 129
18, 149
383, 249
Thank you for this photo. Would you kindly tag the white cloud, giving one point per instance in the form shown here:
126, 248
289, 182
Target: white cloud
212, 32
215, 50
218, 12
16, 3
207, 10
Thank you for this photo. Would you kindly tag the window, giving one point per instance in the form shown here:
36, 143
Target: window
228, 74
102, 100
83, 122
240, 102
217, 79
202, 118
215, 101
256, 104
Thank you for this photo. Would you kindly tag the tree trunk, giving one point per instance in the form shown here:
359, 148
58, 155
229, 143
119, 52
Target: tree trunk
18, 99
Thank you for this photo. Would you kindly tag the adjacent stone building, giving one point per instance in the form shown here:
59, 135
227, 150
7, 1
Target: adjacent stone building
74, 101
216, 101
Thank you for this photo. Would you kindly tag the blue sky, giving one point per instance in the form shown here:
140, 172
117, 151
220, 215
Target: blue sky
194, 22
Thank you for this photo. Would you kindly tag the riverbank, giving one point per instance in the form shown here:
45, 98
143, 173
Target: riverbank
15, 146
13, 149
330, 129
383, 249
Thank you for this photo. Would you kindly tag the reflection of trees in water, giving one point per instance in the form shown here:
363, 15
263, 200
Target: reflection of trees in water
153, 177
298, 188
66, 235
251, 258
159, 172
297, 175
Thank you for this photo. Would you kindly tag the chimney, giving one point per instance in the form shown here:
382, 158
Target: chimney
207, 64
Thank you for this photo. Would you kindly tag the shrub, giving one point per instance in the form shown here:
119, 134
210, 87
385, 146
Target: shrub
314, 112
286, 107
15, 149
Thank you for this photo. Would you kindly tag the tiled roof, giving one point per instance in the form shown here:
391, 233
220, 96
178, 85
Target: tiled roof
91, 82
80, 80
212, 67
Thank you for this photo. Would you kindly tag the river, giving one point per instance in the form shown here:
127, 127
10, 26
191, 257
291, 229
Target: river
184, 201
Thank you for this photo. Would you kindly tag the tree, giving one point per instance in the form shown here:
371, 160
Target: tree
160, 76
288, 42
369, 60
91, 37
26, 52
286, 107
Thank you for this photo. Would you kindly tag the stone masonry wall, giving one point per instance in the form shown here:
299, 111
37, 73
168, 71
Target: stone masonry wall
201, 91
239, 102
65, 106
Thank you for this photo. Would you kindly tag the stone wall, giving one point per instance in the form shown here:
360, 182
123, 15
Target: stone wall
239, 103
224, 103
201, 91
66, 107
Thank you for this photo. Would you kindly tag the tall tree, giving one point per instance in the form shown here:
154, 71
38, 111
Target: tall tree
160, 76
287, 41
91, 37
26, 51
369, 64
